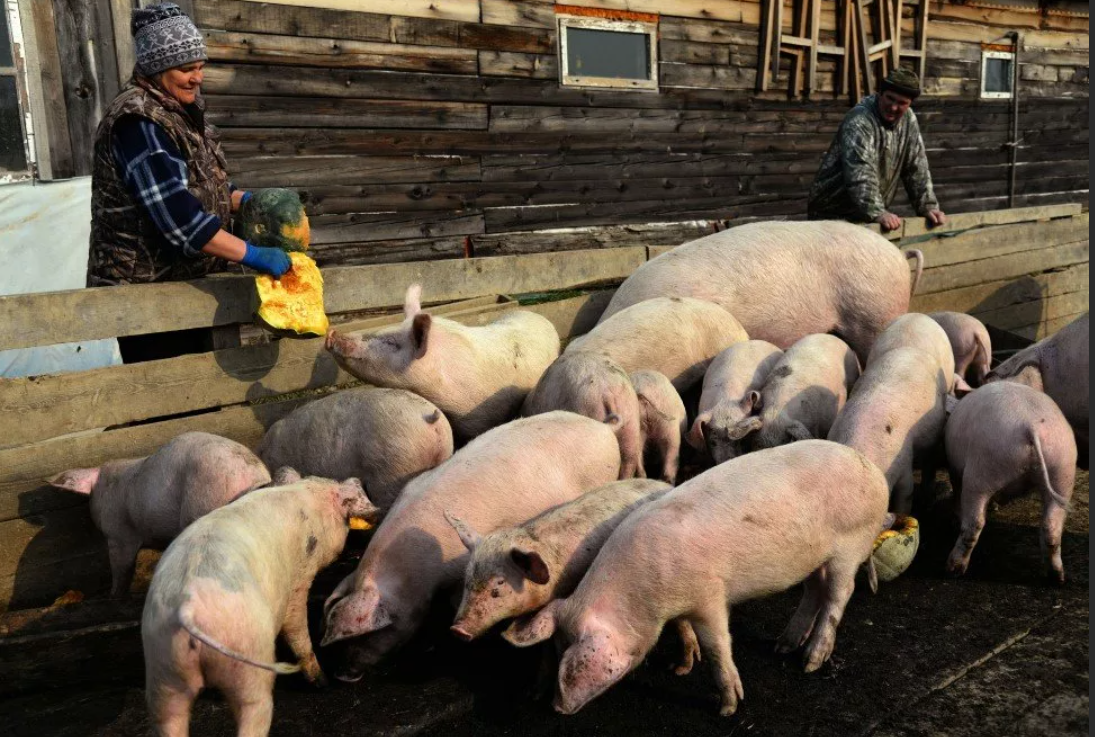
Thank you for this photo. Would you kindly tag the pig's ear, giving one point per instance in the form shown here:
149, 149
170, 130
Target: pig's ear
412, 302
961, 388
285, 475
79, 480
468, 536
358, 614
420, 333
745, 427
798, 431
751, 402
531, 564
532, 628
361, 513
695, 436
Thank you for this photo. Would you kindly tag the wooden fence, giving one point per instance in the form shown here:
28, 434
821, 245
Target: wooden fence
1022, 270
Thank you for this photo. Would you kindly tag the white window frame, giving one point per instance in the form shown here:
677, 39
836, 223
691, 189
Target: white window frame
1007, 55
22, 95
564, 22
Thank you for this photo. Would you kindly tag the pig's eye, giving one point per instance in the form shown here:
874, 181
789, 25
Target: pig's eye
390, 342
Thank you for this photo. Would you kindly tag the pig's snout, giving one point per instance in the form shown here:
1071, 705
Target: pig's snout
462, 633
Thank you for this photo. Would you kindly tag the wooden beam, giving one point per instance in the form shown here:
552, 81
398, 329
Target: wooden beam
463, 10
917, 226
1000, 268
55, 119
61, 317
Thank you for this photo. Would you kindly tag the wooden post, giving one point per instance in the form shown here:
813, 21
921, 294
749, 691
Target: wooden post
864, 66
120, 12
764, 60
777, 32
55, 121
815, 29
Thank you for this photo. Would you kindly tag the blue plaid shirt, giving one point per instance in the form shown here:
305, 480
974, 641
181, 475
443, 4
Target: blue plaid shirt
155, 172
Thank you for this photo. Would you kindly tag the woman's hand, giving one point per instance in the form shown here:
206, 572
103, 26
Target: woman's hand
272, 261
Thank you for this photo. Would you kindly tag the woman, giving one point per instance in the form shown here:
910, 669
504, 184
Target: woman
160, 196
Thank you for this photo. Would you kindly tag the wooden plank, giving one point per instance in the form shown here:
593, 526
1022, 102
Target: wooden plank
61, 317
1001, 294
1003, 239
970, 33
264, 48
465, 10
509, 13
577, 315
689, 52
513, 64
1002, 267
1044, 310
48, 406
391, 251
305, 171
964, 221
612, 236
707, 31
125, 55
252, 17
353, 228
309, 112
51, 76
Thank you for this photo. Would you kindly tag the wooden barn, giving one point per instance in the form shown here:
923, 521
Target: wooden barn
502, 153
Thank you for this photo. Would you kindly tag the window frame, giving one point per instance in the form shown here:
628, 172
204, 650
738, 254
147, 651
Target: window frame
986, 56
16, 72
650, 30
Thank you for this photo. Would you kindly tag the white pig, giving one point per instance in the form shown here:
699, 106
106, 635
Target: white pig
1004, 440
385, 437
674, 336
501, 479
664, 420
147, 502
802, 395
727, 398
786, 280
915, 330
228, 585
970, 342
747, 528
477, 376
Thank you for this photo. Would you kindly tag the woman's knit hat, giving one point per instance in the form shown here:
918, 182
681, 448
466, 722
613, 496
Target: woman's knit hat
165, 38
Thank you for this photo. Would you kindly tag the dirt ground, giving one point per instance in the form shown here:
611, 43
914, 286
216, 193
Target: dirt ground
1000, 652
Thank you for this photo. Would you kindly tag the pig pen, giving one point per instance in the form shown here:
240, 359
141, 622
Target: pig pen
997, 652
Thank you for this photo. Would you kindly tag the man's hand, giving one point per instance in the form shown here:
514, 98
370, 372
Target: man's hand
936, 217
888, 221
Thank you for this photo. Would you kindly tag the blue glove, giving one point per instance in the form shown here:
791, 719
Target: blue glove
246, 196
272, 261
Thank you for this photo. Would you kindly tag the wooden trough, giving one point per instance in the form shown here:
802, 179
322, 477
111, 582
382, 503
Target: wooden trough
1022, 270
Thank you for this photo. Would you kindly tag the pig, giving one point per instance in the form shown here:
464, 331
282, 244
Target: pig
915, 330
802, 395
228, 585
594, 386
785, 280
1057, 366
664, 420
147, 502
477, 376
385, 437
732, 380
746, 528
970, 343
638, 336
895, 417
1004, 440
502, 478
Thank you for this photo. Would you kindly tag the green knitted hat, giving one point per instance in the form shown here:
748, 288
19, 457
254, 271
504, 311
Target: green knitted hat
903, 82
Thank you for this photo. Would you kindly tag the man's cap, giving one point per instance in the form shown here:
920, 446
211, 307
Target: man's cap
165, 38
903, 82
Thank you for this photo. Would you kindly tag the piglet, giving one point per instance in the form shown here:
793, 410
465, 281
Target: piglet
744, 529
677, 336
385, 437
732, 380
477, 376
1057, 366
1004, 440
147, 502
664, 419
501, 479
594, 386
970, 342
802, 395
228, 585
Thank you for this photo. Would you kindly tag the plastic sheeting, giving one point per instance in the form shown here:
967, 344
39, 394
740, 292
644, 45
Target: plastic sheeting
44, 232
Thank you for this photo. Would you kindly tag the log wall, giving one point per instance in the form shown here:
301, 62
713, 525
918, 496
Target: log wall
443, 131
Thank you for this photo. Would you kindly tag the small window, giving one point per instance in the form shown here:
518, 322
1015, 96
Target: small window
997, 68
13, 154
597, 52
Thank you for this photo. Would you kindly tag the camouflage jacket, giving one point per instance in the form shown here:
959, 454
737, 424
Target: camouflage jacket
860, 172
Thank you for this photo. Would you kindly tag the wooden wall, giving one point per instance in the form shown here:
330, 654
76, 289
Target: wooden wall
429, 134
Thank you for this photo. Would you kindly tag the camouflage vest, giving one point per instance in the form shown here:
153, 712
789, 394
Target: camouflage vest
126, 245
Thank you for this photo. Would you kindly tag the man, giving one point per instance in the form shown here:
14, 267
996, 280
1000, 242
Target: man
877, 146
160, 196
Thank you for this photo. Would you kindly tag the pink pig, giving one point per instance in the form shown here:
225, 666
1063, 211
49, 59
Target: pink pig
970, 342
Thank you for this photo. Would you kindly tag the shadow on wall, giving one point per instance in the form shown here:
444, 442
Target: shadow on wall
1018, 304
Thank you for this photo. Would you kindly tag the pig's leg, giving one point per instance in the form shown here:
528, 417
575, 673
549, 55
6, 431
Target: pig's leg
295, 632
1053, 525
974, 500
671, 454
123, 562
903, 492
170, 711
690, 647
802, 623
631, 450
840, 577
713, 630
251, 697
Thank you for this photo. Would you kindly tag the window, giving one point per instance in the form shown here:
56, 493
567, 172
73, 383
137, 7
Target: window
13, 155
997, 68
598, 52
